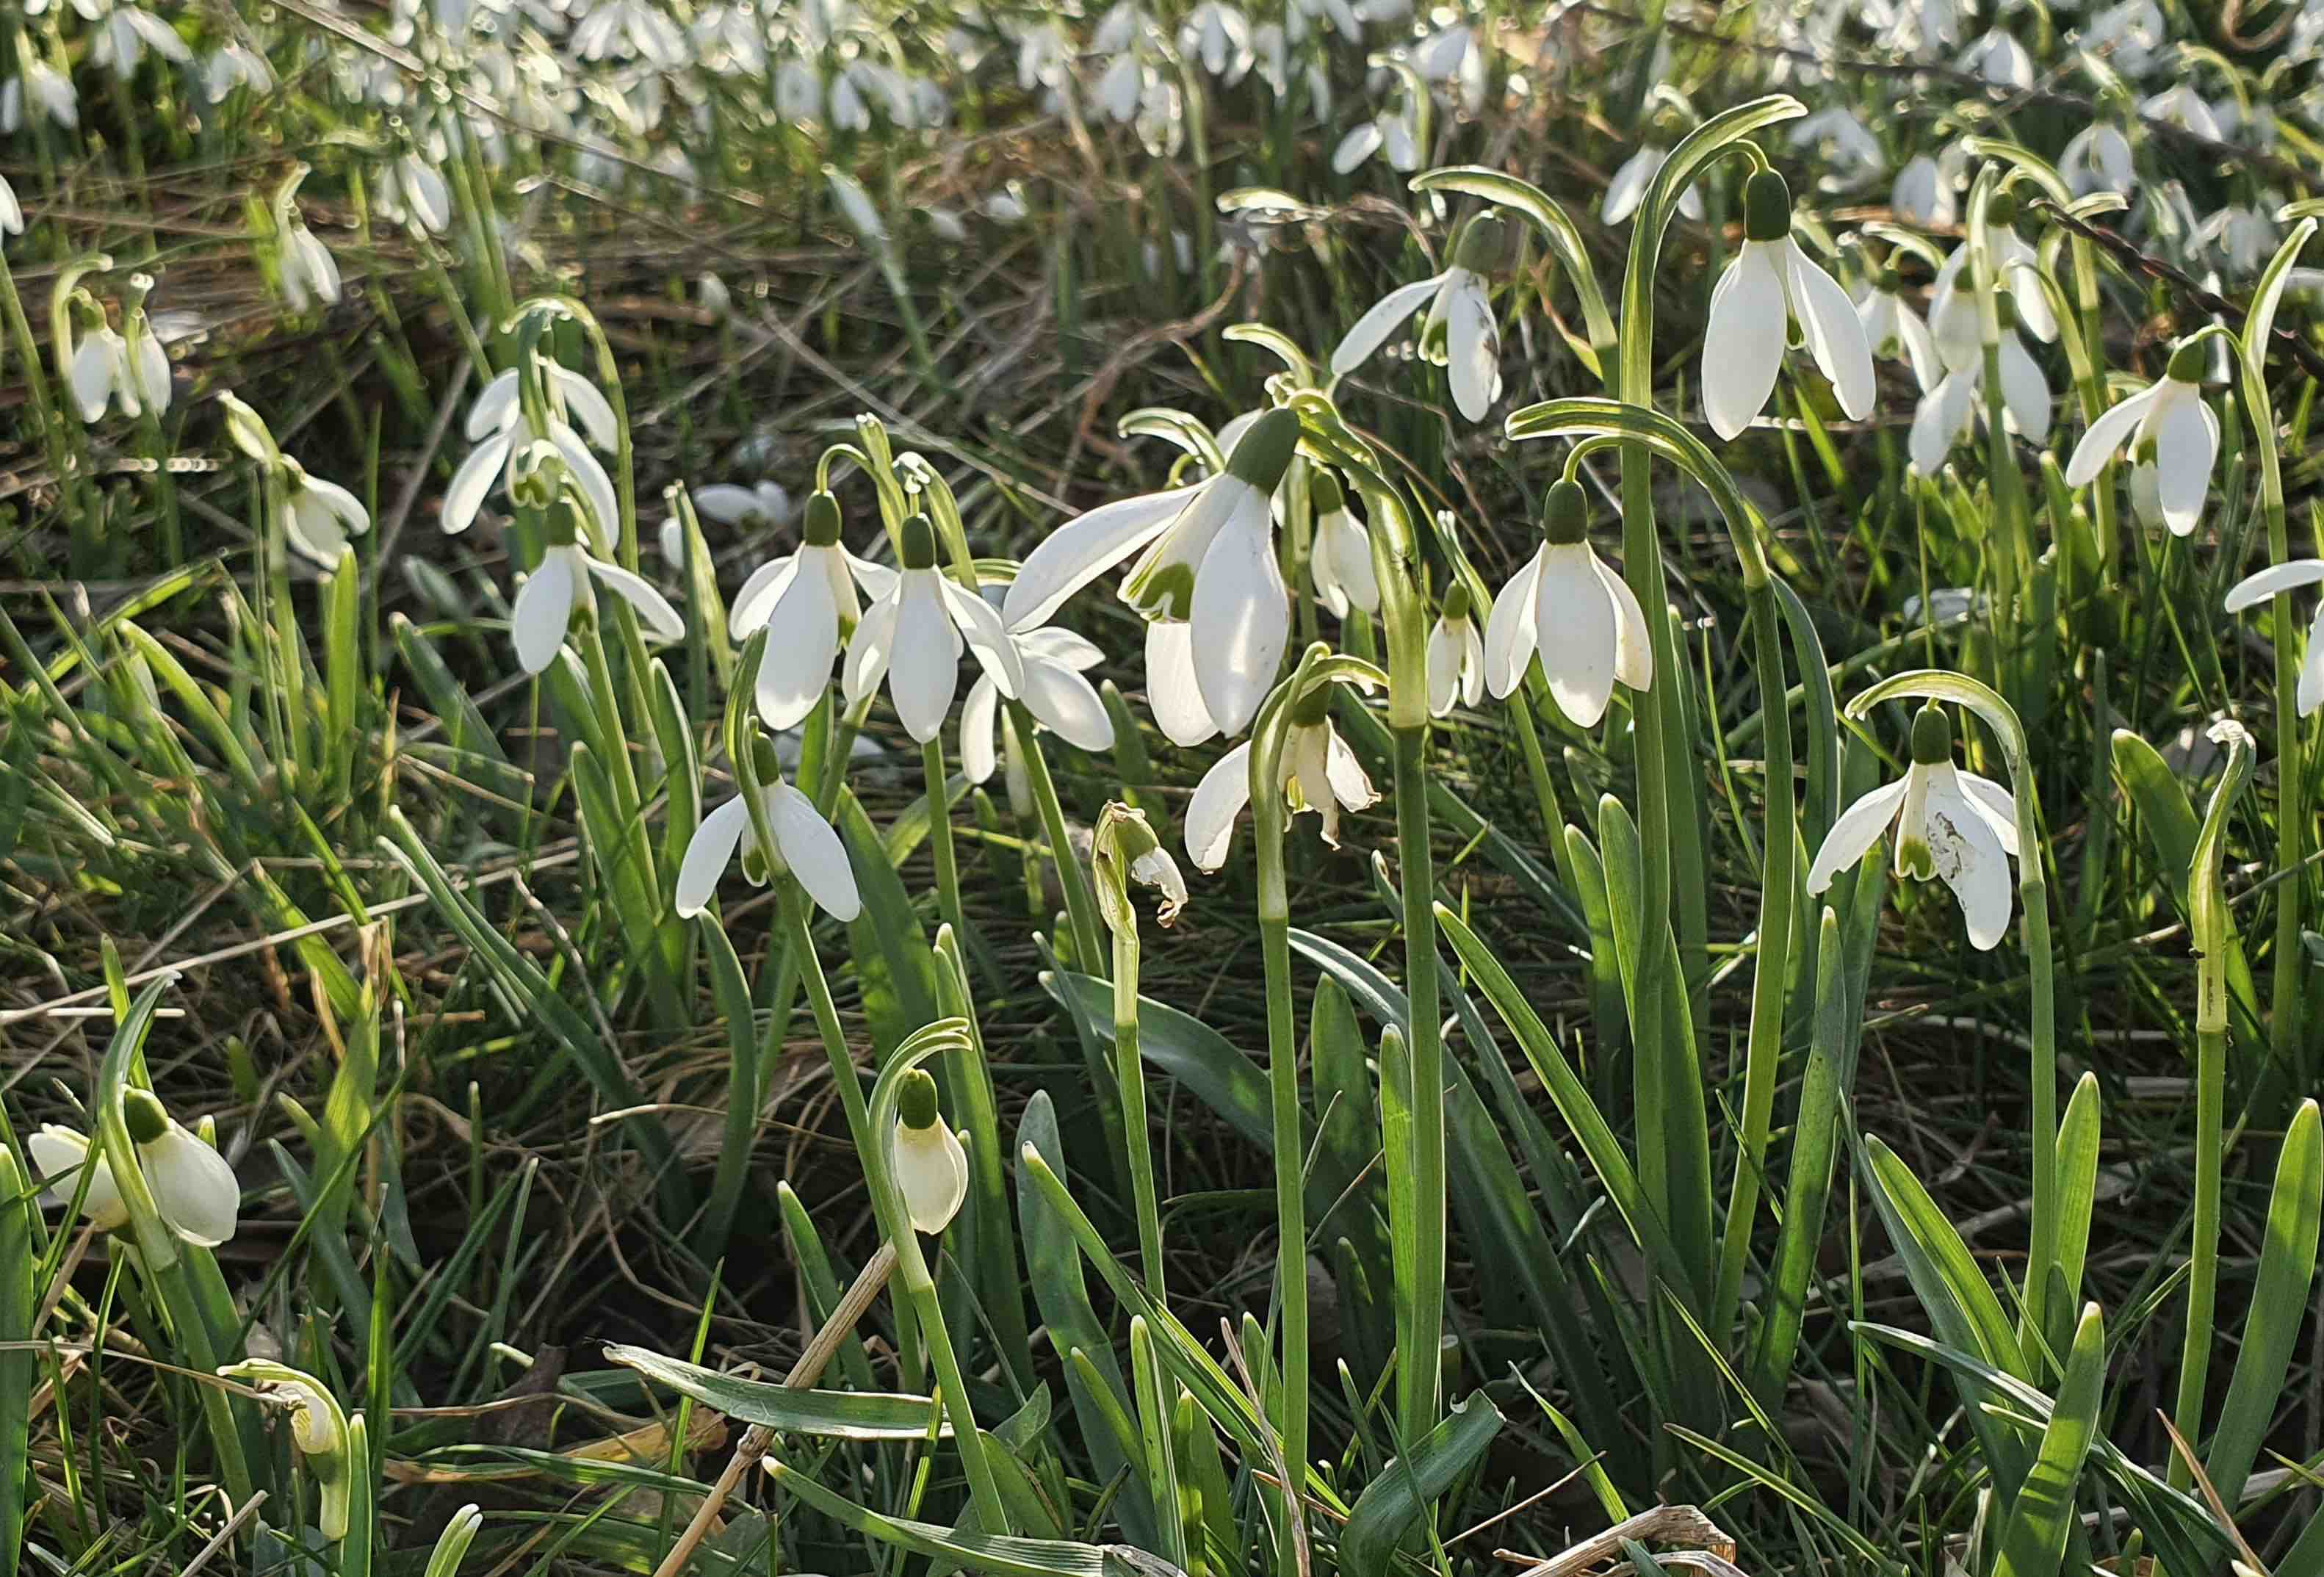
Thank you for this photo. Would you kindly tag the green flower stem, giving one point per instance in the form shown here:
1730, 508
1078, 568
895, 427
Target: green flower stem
1420, 1364
1130, 1075
1081, 903
798, 947
931, 773
36, 387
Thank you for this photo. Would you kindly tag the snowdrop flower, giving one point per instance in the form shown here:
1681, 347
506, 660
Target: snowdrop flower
1923, 195
2016, 268
1395, 131
1456, 656
12, 213
1340, 562
39, 88
2273, 582
493, 425
1949, 824
1208, 563
2242, 236
805, 845
310, 277
1627, 189
2185, 109
1841, 141
194, 1190
2097, 158
1452, 55
418, 194
913, 634
1218, 35
1460, 334
559, 586
104, 368
2170, 415
1772, 283
121, 42
236, 65
1054, 692
318, 1429
623, 27
1580, 617
929, 1163
1944, 413
1999, 58
319, 516
1320, 773
763, 504
1896, 332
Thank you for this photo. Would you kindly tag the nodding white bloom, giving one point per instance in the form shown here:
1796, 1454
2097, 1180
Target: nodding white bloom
1054, 692
913, 634
2242, 236
2169, 419
194, 1190
1208, 564
613, 28
12, 213
1320, 773
125, 36
763, 504
2275, 580
498, 418
1627, 189
2016, 268
108, 368
310, 277
805, 845
1772, 283
1456, 656
1460, 334
1999, 58
929, 1163
1924, 193
805, 601
43, 88
1579, 616
1844, 142
1949, 824
321, 516
1395, 132
1340, 562
1218, 35
417, 194
2097, 158
2185, 109
1274, 69
237, 66
1896, 332
559, 586
1174, 689
1944, 413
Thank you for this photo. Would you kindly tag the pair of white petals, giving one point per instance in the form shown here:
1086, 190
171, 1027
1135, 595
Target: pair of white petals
546, 603
1340, 563
1459, 311
1456, 666
1218, 532
1320, 773
310, 275
194, 1190
1053, 691
912, 637
805, 601
1580, 619
1944, 416
2274, 582
322, 516
1967, 826
805, 845
1770, 286
1894, 330
2171, 416
492, 424
107, 369
1628, 186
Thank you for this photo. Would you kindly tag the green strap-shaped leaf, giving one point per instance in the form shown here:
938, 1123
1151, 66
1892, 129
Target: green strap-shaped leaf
827, 1415
979, 1552
1394, 1501
2034, 1542
2287, 1264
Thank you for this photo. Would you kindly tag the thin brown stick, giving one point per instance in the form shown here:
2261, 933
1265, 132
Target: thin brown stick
803, 1374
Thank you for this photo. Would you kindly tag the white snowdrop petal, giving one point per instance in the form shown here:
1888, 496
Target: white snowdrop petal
987, 638
2024, 391
1993, 802
584, 402
472, 482
1386, 314
1970, 860
58, 1153
2310, 694
1633, 640
2184, 452
663, 623
708, 853
495, 407
2107, 435
1473, 343
871, 649
1444, 670
1833, 332
759, 595
1219, 799
194, 1188
931, 1171
1853, 834
1743, 343
980, 725
1349, 784
924, 669
1173, 694
1068, 706
1242, 620
544, 609
1510, 630
813, 849
1077, 552
1574, 613
2289, 575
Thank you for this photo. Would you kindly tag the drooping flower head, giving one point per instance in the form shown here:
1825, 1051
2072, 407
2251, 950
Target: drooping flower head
561, 586
798, 840
1458, 334
1340, 562
1580, 617
914, 634
1951, 825
1456, 655
1319, 773
1896, 332
931, 1164
194, 1191
805, 601
1771, 285
1124, 853
2169, 433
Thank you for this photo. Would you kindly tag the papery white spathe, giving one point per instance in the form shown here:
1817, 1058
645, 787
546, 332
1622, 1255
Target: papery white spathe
1580, 617
1054, 692
1320, 773
50, 92
1208, 561
1456, 656
559, 587
493, 426
1770, 285
913, 634
1894, 330
2275, 580
2170, 414
1949, 824
806, 846
1460, 334
806, 603
194, 1190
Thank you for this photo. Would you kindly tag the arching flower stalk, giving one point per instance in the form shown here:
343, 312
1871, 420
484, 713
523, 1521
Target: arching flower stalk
1771, 285
2171, 435
1949, 824
1460, 334
1208, 563
1578, 616
320, 1429
194, 1191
